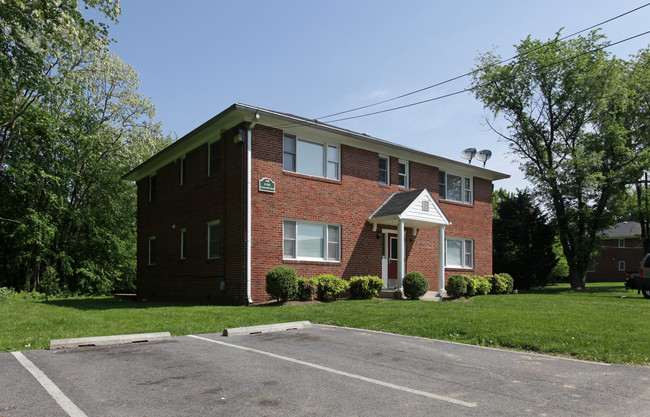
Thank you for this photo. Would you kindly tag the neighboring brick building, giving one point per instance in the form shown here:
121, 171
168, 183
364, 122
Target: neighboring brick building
252, 189
621, 250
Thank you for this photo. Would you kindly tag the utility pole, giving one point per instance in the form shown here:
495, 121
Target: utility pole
643, 211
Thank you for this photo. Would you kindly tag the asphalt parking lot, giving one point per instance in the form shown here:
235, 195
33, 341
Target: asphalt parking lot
321, 370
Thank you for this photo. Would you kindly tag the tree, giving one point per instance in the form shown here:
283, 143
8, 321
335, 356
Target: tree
522, 240
565, 102
73, 214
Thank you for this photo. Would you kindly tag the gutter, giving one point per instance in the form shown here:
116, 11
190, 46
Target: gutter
249, 207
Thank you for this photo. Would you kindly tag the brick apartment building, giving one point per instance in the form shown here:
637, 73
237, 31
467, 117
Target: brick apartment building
621, 250
251, 189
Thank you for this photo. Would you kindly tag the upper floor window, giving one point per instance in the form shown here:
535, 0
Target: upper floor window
621, 243
384, 172
214, 239
455, 188
310, 240
182, 171
214, 158
403, 172
310, 158
459, 253
152, 187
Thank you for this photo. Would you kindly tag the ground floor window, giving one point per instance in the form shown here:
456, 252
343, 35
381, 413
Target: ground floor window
311, 240
152, 250
214, 239
459, 253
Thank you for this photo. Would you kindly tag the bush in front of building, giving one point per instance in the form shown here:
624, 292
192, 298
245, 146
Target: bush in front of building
282, 283
499, 284
365, 287
415, 285
509, 280
305, 289
329, 287
456, 286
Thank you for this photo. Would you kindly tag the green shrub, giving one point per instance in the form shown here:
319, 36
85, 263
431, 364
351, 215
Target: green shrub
365, 287
471, 285
305, 289
50, 282
415, 285
281, 283
499, 284
329, 287
509, 280
5, 294
483, 285
456, 286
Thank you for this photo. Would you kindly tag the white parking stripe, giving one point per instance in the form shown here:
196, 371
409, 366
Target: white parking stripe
342, 373
64, 402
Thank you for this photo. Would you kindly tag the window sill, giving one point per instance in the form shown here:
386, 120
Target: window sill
310, 261
456, 203
311, 177
458, 268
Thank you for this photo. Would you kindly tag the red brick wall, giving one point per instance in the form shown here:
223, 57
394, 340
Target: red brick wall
350, 202
610, 254
191, 206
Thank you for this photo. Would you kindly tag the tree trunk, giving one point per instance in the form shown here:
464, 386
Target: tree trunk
578, 279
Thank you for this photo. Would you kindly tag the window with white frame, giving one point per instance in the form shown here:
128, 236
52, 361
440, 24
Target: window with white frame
182, 171
214, 239
621, 265
311, 240
152, 251
152, 187
455, 188
384, 171
459, 253
214, 158
403, 172
311, 158
621, 243
183, 243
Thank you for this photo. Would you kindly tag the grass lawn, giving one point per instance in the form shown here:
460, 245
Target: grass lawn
597, 324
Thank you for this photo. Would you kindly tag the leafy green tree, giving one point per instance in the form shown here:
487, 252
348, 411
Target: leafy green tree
61, 180
522, 240
565, 103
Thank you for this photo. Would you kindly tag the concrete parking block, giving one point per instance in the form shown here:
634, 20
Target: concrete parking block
108, 340
266, 328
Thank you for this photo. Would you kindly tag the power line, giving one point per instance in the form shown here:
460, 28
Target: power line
472, 88
469, 73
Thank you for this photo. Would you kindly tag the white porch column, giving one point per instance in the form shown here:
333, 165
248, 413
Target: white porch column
401, 253
441, 260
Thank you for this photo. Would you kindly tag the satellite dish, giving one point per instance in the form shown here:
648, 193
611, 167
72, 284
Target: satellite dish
483, 155
468, 154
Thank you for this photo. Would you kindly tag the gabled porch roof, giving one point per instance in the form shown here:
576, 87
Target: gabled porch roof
417, 209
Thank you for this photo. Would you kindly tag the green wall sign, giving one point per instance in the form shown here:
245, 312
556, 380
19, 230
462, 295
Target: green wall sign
267, 185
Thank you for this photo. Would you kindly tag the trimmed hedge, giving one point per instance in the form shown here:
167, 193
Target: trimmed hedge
456, 286
509, 280
329, 287
365, 287
282, 283
415, 285
306, 288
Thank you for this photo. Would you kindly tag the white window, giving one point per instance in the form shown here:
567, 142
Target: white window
214, 239
455, 188
152, 251
152, 187
621, 244
459, 253
403, 171
182, 170
183, 243
311, 240
310, 158
621, 265
214, 158
384, 171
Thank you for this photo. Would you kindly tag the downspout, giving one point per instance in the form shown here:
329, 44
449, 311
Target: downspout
249, 228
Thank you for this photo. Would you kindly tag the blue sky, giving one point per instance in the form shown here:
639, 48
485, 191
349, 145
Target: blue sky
195, 58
